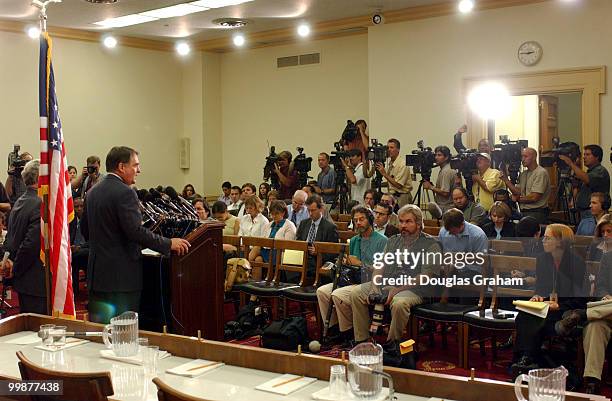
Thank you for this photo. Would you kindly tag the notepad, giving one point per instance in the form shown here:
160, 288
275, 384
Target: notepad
594, 304
70, 343
539, 309
195, 368
25, 339
285, 384
293, 257
134, 360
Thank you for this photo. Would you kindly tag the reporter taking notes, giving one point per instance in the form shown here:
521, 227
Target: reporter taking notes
112, 225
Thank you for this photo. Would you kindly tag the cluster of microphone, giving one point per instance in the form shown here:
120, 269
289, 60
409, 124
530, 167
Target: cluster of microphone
167, 213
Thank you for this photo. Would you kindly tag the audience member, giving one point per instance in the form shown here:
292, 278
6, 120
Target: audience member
382, 225
202, 209
500, 225
472, 212
326, 180
445, 181
15, 187
73, 173
189, 192
397, 175
400, 298
297, 211
220, 213
602, 243
502, 195
486, 182
89, 177
390, 200
78, 245
371, 198
458, 235
226, 187
533, 188
264, 189
23, 244
236, 207
287, 176
309, 189
362, 248
600, 204
252, 223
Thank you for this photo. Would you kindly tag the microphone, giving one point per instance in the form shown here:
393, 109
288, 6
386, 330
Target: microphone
171, 192
155, 193
434, 210
141, 193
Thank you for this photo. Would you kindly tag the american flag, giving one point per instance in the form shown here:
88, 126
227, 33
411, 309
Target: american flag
54, 187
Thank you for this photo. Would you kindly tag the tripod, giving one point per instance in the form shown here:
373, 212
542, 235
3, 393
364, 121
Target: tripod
420, 190
341, 200
565, 197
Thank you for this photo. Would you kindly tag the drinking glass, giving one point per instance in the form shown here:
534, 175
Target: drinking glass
337, 381
150, 357
45, 333
58, 333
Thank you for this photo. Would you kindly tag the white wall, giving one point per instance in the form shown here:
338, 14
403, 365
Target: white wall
126, 97
416, 68
303, 106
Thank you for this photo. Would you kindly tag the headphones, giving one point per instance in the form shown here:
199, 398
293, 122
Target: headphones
364, 210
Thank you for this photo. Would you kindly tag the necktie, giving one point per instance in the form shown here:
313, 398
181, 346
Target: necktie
293, 217
311, 233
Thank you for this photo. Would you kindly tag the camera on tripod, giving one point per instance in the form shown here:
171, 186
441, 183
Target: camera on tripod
422, 160
569, 149
349, 133
269, 173
377, 153
15, 163
510, 154
465, 164
302, 165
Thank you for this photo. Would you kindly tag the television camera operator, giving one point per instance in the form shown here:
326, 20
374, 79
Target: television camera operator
397, 174
486, 182
15, 187
326, 180
445, 180
283, 174
355, 174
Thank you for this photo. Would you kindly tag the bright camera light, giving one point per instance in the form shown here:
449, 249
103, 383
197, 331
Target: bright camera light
110, 42
465, 6
303, 30
183, 48
34, 32
491, 100
239, 40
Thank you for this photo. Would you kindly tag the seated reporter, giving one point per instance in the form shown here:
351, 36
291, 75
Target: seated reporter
458, 235
602, 241
560, 274
400, 298
382, 224
220, 213
499, 225
362, 248
297, 210
279, 228
253, 222
472, 212
600, 204
202, 209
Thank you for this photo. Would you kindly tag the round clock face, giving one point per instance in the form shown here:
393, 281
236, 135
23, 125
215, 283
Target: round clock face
529, 53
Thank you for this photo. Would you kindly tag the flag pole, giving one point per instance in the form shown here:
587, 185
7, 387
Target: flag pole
42, 6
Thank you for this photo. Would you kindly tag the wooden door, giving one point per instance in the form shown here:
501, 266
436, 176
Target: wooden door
549, 129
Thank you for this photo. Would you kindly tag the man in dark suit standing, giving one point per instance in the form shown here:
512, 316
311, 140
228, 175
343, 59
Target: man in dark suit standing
316, 229
112, 224
78, 245
23, 243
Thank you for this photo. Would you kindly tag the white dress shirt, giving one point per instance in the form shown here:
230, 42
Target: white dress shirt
250, 227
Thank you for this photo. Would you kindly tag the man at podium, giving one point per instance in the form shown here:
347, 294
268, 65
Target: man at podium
112, 223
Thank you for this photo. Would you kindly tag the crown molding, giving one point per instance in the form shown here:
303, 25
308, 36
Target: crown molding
277, 37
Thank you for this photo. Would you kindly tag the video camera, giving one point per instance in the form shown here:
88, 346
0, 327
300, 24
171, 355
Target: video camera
15, 163
349, 133
422, 160
377, 153
269, 173
465, 164
302, 165
509, 153
569, 149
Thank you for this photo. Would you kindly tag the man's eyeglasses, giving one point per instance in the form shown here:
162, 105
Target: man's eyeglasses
381, 213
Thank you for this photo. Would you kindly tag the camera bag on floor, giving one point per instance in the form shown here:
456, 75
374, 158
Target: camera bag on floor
238, 272
286, 334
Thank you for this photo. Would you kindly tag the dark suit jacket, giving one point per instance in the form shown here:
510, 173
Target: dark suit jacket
391, 230
326, 232
508, 230
23, 242
569, 280
112, 225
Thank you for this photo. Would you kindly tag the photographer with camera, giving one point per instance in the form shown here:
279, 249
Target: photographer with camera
397, 175
488, 181
15, 187
595, 179
287, 176
533, 187
412, 240
362, 248
355, 175
326, 180
89, 177
445, 180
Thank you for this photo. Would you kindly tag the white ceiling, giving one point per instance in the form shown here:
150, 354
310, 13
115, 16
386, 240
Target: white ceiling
263, 15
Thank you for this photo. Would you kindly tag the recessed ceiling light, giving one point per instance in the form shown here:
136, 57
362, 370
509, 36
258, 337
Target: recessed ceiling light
178, 10
126, 20
230, 22
34, 32
110, 42
239, 40
218, 3
183, 48
465, 6
303, 30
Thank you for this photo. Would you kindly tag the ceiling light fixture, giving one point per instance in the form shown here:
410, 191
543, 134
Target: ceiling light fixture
230, 22
110, 42
490, 100
303, 30
465, 6
218, 3
183, 48
126, 20
34, 32
239, 40
178, 10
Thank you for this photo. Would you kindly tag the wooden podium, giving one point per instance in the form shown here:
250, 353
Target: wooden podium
185, 293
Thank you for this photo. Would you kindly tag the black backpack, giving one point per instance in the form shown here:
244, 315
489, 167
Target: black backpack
286, 334
249, 321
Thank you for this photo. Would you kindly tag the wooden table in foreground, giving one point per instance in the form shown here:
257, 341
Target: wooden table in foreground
245, 368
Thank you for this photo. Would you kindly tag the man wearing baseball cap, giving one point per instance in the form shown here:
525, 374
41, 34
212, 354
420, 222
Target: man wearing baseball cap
486, 182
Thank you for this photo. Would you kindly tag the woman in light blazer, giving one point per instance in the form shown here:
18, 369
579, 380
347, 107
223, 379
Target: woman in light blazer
279, 228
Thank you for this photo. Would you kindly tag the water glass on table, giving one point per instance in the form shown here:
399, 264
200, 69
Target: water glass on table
337, 381
150, 356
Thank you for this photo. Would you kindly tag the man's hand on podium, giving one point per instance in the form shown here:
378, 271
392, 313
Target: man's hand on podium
180, 246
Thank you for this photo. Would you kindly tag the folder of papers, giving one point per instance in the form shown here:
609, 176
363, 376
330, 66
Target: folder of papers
539, 309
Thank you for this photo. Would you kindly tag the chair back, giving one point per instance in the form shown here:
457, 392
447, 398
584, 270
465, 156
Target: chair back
76, 386
501, 246
248, 242
431, 223
344, 236
326, 248
341, 225
167, 393
289, 260
344, 217
435, 231
583, 240
506, 264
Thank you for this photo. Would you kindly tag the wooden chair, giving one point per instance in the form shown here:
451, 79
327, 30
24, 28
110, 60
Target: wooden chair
583, 240
501, 246
342, 225
234, 240
167, 393
283, 263
344, 217
76, 386
431, 223
435, 231
344, 236
500, 265
247, 244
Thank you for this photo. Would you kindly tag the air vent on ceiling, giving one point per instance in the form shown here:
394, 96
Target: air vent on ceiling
101, 1
302, 59
230, 22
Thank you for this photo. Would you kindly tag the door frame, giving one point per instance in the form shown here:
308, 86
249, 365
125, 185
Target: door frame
589, 81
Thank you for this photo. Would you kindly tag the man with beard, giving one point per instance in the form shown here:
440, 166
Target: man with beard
362, 248
472, 212
400, 298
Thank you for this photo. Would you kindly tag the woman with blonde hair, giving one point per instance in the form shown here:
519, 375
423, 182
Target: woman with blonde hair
253, 222
560, 275
500, 225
